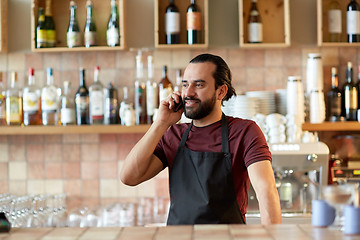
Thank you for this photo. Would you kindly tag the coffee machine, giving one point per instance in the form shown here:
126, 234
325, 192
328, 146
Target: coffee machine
300, 170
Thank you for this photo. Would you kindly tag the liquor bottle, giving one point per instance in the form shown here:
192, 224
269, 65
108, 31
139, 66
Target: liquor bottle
67, 110
96, 99
14, 114
334, 98
254, 27
113, 29
350, 95
140, 92
193, 23
49, 100
178, 80
111, 106
73, 33
334, 21
82, 101
172, 24
90, 26
49, 26
353, 22
165, 86
2, 102
152, 97
358, 87
41, 30
32, 101
126, 111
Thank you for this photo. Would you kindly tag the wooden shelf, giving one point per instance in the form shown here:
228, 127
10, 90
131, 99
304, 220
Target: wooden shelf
159, 24
3, 26
61, 16
331, 126
73, 129
275, 15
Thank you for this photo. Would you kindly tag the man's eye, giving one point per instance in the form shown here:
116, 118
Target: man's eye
185, 85
199, 85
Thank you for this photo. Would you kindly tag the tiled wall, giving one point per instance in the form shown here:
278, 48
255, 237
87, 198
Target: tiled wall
86, 166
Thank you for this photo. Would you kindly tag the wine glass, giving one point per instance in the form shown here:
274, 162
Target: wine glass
338, 196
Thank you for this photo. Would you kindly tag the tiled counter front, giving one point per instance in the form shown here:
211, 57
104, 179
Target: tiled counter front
197, 232
84, 166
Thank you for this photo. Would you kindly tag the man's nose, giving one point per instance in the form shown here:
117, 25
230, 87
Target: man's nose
189, 91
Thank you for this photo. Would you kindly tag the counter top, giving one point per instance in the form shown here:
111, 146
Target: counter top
197, 232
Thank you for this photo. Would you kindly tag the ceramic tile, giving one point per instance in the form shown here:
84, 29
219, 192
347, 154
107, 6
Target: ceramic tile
32, 139
73, 77
305, 54
255, 79
54, 186
36, 170
88, 60
108, 151
16, 62
106, 59
36, 187
4, 187
89, 138
236, 58
34, 60
162, 187
330, 56
73, 188
3, 62
91, 203
292, 71
147, 189
221, 52
274, 57
53, 152
108, 170
91, 188
104, 138
53, 170
71, 138
108, 188
35, 153
89, 170
71, 170
18, 170
161, 58
113, 75
52, 60
3, 139
4, 171
89, 152
16, 139
17, 152
53, 138
73, 203
17, 187
292, 57
346, 55
69, 61
239, 80
125, 59
180, 59
4, 149
40, 80
274, 78
123, 150
254, 58
122, 77
71, 152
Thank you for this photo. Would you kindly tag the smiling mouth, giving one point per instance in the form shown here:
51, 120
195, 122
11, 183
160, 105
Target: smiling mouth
191, 103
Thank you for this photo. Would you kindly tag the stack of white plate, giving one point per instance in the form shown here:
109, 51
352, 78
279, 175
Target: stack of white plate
281, 101
267, 104
241, 106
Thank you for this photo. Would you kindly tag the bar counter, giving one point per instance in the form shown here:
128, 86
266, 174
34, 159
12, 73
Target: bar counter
196, 232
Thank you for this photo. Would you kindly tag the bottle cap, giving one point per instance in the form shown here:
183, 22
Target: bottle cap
349, 64
49, 71
333, 70
31, 72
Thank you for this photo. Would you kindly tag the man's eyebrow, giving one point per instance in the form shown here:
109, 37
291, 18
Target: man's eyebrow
196, 81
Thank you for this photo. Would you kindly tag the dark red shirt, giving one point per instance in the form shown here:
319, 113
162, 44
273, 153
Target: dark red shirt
246, 142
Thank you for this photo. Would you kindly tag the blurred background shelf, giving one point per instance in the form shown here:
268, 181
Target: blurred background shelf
332, 126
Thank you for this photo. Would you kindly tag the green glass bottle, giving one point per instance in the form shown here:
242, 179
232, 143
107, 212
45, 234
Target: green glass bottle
41, 30
73, 33
90, 26
50, 26
113, 34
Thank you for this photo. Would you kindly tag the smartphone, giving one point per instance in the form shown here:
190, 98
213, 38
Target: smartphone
178, 105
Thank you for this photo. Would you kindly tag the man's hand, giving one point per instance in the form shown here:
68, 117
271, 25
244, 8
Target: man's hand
166, 114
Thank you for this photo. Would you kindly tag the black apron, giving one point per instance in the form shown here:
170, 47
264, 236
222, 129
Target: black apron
201, 185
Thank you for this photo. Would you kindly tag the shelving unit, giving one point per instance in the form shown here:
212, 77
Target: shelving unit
332, 126
322, 25
3, 26
73, 129
159, 25
273, 13
61, 16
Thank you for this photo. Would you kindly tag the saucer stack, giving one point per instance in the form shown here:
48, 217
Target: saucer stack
240, 106
267, 104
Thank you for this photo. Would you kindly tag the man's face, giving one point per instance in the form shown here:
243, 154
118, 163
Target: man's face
198, 90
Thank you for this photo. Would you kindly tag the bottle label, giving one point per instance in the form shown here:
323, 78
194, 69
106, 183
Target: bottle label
172, 20
67, 116
112, 36
13, 112
335, 21
2, 106
73, 39
96, 104
164, 93
193, 20
150, 99
82, 105
49, 99
255, 32
335, 107
41, 38
353, 22
90, 38
51, 37
351, 100
110, 108
31, 102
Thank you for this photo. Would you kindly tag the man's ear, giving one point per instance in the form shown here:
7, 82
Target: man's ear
221, 92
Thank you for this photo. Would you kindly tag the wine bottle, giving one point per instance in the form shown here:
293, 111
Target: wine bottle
41, 30
82, 101
49, 26
113, 29
90, 26
334, 98
67, 110
358, 87
111, 106
140, 92
96, 99
2, 102
350, 95
49, 100
254, 27
31, 101
152, 97
14, 113
334, 21
172, 24
178, 80
353, 22
73, 33
165, 86
193, 23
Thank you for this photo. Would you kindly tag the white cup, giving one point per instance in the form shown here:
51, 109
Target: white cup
275, 119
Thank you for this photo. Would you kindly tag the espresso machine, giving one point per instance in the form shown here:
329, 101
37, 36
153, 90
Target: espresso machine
300, 170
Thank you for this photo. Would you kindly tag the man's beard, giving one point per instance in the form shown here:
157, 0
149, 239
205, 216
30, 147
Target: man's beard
203, 109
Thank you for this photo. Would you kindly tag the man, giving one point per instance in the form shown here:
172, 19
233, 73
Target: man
212, 160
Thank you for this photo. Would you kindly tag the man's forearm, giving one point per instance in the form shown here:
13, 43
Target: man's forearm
270, 210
